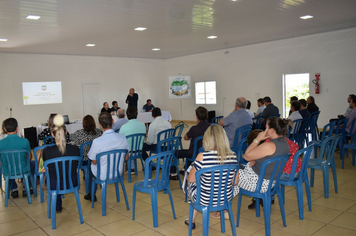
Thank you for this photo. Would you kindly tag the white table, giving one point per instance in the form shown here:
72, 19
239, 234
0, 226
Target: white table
71, 128
146, 117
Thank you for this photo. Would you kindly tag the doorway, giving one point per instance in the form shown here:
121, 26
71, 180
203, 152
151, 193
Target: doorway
294, 85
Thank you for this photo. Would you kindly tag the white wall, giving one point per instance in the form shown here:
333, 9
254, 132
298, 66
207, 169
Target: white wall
115, 75
256, 71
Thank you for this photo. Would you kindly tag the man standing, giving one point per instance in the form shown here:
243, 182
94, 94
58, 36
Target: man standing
133, 126
107, 142
303, 109
351, 115
13, 141
158, 125
261, 107
148, 106
122, 120
270, 110
311, 105
238, 118
115, 107
132, 98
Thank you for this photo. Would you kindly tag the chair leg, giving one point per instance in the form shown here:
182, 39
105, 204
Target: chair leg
283, 194
299, 190
342, 157
222, 221
238, 210
28, 192
191, 211
180, 182
154, 208
54, 203
49, 206
34, 186
326, 180
258, 207
206, 217
353, 157
307, 190
133, 203
172, 203
333, 168
125, 195
129, 170
41, 190
267, 213
86, 172
117, 192
231, 216
7, 192
92, 193
103, 195
312, 172
76, 194
281, 206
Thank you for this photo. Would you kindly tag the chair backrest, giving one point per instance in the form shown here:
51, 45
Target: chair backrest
241, 133
352, 129
315, 113
114, 162
169, 144
341, 126
278, 164
117, 130
221, 188
258, 123
216, 119
241, 150
178, 130
302, 134
168, 133
328, 130
35, 150
63, 167
304, 153
136, 143
17, 162
294, 129
195, 149
163, 162
314, 125
50, 138
327, 149
85, 147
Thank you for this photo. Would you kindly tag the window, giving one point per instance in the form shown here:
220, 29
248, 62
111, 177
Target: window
205, 92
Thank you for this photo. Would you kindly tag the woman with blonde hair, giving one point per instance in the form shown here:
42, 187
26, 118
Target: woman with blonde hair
58, 132
217, 152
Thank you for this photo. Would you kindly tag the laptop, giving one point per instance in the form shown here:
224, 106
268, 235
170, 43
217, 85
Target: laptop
66, 119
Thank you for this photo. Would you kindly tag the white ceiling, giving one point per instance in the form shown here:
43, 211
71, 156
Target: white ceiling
177, 27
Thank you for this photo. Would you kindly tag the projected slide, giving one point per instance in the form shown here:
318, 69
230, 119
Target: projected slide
35, 93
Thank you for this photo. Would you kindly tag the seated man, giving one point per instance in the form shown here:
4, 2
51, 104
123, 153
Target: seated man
13, 141
106, 109
115, 107
351, 115
311, 105
133, 126
270, 110
303, 109
122, 120
107, 142
148, 106
261, 107
195, 131
292, 99
158, 125
238, 118
295, 115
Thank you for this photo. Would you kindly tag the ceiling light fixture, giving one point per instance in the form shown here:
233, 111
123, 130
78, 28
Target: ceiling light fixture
212, 37
32, 17
306, 17
140, 28
156, 49
90, 45
3, 40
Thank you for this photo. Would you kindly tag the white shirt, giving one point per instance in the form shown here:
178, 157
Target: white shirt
107, 142
260, 109
295, 115
158, 125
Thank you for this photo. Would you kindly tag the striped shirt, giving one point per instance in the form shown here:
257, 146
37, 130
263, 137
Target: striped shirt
210, 160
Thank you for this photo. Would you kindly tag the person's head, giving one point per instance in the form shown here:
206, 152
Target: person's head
353, 102
132, 91
240, 103
131, 113
114, 104
303, 103
248, 106
89, 124
215, 139
106, 105
260, 102
50, 120
295, 106
105, 120
292, 99
201, 113
58, 131
267, 100
252, 135
156, 112
277, 126
349, 98
310, 100
149, 102
121, 113
10, 125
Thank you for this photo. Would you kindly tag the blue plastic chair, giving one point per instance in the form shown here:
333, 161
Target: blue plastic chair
240, 133
216, 119
0, 179
302, 136
328, 146
115, 164
220, 186
352, 128
135, 151
195, 149
278, 161
302, 178
294, 130
50, 138
65, 187
314, 130
159, 183
258, 121
38, 172
341, 129
345, 148
86, 167
168, 133
241, 151
327, 132
14, 170
178, 130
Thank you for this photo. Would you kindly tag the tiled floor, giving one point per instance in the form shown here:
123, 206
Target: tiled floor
333, 216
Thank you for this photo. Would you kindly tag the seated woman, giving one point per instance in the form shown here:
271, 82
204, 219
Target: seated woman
88, 133
61, 149
217, 152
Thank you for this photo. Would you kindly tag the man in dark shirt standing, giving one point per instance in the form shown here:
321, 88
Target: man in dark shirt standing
311, 105
270, 110
132, 98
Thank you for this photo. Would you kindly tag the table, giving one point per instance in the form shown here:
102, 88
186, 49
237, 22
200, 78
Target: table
71, 128
146, 117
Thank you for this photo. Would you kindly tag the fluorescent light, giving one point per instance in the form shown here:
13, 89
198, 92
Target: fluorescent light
306, 17
140, 28
32, 17
156, 49
3, 40
212, 37
90, 45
